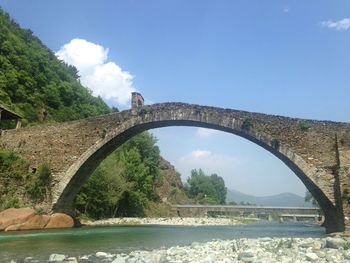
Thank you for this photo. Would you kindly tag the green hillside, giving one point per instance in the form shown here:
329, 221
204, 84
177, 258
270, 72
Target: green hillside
37, 85
41, 88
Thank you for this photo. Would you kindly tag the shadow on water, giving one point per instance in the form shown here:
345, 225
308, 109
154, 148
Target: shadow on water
118, 239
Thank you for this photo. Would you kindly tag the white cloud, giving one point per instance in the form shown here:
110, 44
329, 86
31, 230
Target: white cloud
205, 133
286, 9
340, 25
208, 161
105, 79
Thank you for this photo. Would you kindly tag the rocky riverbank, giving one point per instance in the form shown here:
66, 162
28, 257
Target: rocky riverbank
269, 250
171, 221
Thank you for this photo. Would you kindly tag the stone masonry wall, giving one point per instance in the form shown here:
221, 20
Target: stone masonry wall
320, 152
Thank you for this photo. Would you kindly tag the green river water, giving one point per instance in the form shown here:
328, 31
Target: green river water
88, 240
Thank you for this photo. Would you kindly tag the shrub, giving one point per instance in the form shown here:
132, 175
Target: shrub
9, 201
346, 245
304, 125
144, 110
197, 110
39, 185
103, 133
247, 124
275, 143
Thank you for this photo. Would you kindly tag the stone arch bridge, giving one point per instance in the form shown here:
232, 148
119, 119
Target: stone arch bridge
317, 151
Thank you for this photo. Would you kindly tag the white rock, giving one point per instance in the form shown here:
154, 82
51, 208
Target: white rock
57, 258
72, 260
311, 256
101, 254
119, 260
334, 242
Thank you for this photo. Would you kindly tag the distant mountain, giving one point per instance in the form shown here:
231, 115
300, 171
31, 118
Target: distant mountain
283, 199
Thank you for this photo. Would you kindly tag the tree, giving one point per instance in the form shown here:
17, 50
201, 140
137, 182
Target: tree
310, 199
206, 189
32, 79
123, 184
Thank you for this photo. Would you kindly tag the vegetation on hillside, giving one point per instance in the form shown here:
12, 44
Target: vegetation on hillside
18, 186
206, 189
37, 85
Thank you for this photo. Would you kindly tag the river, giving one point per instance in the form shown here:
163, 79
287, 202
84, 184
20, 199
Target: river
116, 239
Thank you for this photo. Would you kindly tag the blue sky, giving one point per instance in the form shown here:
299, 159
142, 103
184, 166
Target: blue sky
280, 57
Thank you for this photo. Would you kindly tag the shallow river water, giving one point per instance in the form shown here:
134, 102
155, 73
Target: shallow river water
88, 240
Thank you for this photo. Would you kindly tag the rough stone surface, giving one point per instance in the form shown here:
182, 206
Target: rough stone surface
60, 220
101, 254
36, 222
13, 227
335, 242
311, 256
319, 155
15, 216
57, 258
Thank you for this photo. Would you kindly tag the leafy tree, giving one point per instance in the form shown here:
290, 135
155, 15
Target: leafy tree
32, 79
310, 199
206, 189
123, 184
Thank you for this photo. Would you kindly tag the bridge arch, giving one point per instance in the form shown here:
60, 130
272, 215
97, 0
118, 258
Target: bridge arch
263, 130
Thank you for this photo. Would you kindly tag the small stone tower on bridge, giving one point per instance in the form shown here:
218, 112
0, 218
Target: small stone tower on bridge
136, 100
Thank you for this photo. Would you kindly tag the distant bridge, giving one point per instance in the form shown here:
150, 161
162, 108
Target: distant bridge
294, 212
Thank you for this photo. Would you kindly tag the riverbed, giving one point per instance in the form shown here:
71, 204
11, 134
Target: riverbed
84, 241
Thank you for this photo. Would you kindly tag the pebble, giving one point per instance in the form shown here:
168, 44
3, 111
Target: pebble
172, 221
254, 250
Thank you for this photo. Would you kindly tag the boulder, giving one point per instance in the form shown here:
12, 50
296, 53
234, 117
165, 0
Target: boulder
60, 220
15, 216
311, 257
72, 260
35, 222
101, 254
119, 260
57, 258
334, 242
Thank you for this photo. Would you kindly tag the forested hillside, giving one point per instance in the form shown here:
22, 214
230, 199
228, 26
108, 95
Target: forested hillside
37, 85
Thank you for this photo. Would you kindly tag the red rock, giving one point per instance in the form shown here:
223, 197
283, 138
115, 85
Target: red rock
15, 216
60, 220
36, 222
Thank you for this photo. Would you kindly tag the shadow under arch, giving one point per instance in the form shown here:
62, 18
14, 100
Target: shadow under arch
88, 162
